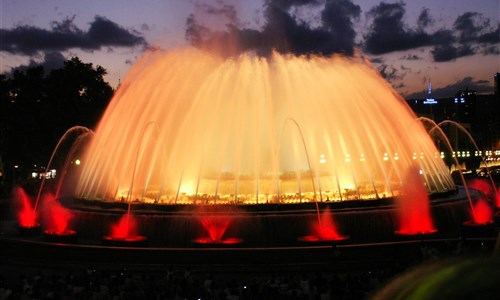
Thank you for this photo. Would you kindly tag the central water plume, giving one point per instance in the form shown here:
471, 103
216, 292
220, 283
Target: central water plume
188, 127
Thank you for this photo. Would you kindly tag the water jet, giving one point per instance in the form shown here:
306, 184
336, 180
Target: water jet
281, 140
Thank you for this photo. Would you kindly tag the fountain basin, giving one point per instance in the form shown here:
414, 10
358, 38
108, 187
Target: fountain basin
130, 241
33, 230
265, 225
65, 237
225, 242
472, 229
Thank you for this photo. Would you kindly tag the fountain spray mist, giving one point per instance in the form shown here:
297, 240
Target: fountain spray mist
190, 127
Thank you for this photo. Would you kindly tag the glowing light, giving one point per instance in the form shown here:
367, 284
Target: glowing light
215, 226
26, 215
483, 213
125, 228
77, 162
325, 229
206, 129
413, 206
56, 217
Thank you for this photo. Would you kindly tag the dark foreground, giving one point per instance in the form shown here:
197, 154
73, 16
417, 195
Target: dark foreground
33, 269
464, 263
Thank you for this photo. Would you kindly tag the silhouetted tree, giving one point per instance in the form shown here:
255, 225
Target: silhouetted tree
37, 108
77, 93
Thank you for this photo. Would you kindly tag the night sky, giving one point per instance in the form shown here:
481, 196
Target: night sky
455, 44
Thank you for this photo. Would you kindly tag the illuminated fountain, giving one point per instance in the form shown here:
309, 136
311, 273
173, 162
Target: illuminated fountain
481, 209
55, 216
187, 127
414, 207
26, 214
216, 225
324, 230
56, 220
124, 233
189, 130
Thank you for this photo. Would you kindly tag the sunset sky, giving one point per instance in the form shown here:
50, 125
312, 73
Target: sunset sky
454, 43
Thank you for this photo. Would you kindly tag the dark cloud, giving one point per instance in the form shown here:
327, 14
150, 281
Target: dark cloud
287, 4
468, 25
411, 57
104, 32
471, 33
444, 53
29, 40
337, 17
390, 73
491, 50
51, 61
225, 10
424, 19
282, 31
448, 52
480, 86
377, 60
492, 37
443, 36
388, 32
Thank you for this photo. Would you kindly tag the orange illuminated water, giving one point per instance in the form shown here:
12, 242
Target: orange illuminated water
190, 127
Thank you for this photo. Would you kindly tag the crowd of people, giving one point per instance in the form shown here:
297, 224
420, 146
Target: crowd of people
183, 283
196, 283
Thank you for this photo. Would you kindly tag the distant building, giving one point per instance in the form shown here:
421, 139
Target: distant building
479, 114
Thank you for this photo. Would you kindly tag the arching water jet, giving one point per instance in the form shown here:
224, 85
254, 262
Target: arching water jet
473, 141
219, 142
77, 131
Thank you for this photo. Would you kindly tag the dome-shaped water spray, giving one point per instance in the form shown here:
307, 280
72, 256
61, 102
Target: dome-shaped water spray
188, 127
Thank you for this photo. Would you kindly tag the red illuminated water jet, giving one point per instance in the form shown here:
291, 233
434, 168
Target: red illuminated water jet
488, 191
481, 224
26, 215
481, 185
497, 199
56, 220
413, 206
124, 232
216, 226
482, 213
324, 229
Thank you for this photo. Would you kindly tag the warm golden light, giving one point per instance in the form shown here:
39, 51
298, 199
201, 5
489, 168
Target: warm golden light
188, 127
